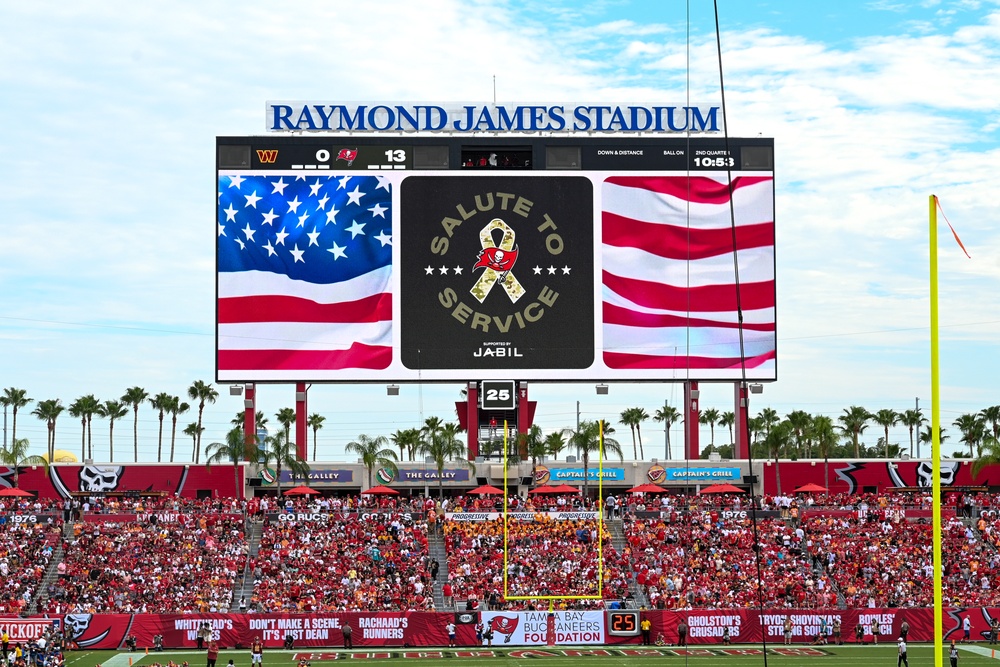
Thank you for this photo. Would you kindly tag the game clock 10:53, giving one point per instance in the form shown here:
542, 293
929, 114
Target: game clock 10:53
715, 162
623, 623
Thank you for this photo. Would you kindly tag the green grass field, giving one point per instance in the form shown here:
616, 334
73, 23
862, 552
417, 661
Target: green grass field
828, 656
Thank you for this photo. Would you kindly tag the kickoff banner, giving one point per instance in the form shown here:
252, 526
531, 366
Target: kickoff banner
416, 629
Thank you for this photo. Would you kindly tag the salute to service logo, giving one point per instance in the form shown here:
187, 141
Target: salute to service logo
497, 272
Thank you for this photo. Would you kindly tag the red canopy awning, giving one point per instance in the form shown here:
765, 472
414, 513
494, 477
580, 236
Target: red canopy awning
380, 490
722, 488
301, 491
647, 488
485, 490
810, 488
544, 489
565, 488
16, 492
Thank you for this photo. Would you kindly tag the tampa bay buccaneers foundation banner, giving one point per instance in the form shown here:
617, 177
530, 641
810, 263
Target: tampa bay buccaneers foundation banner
109, 631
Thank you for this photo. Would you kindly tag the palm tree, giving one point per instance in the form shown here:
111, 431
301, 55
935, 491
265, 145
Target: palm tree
281, 451
235, 449
912, 419
776, 440
160, 403
669, 416
16, 455
193, 430
754, 426
988, 456
48, 411
992, 415
112, 411
926, 437
203, 392
587, 439
16, 399
531, 444
407, 440
710, 417
728, 420
260, 421
853, 423
823, 433
768, 418
631, 417
286, 417
430, 428
800, 421
554, 443
441, 445
373, 452
886, 418
135, 396
85, 408
973, 428
177, 407
315, 422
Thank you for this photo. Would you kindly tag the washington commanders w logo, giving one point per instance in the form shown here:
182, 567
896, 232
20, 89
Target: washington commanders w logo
267, 156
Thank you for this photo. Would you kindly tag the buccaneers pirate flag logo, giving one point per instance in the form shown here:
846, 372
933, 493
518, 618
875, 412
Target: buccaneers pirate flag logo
498, 261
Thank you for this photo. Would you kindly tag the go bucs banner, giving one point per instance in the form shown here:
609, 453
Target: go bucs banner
108, 631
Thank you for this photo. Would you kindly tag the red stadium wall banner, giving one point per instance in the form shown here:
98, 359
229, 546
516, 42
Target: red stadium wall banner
847, 476
24, 630
416, 629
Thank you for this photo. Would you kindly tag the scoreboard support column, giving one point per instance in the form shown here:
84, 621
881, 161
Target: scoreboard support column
301, 420
524, 415
692, 415
472, 418
741, 448
249, 416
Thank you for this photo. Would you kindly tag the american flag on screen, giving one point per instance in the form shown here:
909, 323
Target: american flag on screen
304, 272
669, 282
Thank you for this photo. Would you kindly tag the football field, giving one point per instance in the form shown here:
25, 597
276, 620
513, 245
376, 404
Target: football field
714, 656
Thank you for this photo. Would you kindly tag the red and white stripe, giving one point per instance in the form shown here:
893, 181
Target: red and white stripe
269, 321
669, 280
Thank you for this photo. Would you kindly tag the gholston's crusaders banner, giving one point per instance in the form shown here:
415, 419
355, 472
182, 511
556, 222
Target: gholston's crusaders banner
497, 272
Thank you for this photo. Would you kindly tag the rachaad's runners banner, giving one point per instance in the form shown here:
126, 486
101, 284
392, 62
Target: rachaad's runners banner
416, 629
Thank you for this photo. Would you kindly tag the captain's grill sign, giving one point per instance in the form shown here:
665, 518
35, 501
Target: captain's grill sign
498, 272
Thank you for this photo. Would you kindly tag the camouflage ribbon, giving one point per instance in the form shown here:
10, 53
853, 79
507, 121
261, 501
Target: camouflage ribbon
490, 276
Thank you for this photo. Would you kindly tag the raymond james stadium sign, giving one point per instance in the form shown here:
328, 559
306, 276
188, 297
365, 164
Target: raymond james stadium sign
282, 116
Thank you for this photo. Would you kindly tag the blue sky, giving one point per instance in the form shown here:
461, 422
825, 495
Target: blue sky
110, 110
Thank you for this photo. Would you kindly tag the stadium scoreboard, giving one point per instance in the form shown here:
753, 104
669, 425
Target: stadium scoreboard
377, 153
374, 258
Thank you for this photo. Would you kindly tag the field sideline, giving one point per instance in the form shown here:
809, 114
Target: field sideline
829, 656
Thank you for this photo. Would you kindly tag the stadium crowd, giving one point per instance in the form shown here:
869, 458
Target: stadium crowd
371, 553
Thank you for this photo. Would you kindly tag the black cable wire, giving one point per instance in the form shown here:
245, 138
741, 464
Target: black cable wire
744, 393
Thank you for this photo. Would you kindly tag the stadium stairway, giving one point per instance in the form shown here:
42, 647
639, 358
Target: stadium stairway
52, 571
618, 540
243, 587
436, 551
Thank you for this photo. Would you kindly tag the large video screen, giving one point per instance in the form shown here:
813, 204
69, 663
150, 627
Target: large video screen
351, 274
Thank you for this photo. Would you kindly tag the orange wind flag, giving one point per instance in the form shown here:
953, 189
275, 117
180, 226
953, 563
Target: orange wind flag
953, 232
